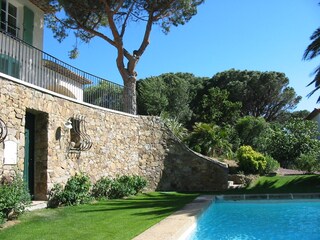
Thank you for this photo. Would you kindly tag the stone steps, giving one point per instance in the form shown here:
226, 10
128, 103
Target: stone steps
35, 205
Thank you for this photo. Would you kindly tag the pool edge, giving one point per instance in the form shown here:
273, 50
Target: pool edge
179, 224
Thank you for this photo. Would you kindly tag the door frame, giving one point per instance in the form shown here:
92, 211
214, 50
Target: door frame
29, 157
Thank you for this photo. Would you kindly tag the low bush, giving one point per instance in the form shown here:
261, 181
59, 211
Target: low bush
124, 186
308, 162
14, 197
139, 183
55, 196
272, 165
101, 188
250, 161
76, 191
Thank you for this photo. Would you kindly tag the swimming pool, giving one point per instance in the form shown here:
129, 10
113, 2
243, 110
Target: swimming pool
248, 220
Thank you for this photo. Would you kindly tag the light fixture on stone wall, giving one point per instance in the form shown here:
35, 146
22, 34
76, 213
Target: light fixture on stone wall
68, 124
3, 130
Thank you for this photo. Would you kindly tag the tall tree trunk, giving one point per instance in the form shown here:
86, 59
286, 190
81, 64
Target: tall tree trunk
130, 95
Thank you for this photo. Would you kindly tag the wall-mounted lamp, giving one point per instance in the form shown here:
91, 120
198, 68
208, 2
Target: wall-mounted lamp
68, 124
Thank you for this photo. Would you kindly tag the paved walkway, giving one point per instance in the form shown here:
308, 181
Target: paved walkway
36, 205
176, 225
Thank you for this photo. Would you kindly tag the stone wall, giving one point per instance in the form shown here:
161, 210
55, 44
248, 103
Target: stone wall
122, 144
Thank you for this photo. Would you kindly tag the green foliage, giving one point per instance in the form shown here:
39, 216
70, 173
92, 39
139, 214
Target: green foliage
119, 187
272, 165
251, 161
14, 197
308, 162
56, 196
262, 94
286, 115
124, 186
152, 99
170, 93
210, 140
172, 123
214, 107
101, 188
312, 51
289, 141
178, 96
76, 191
104, 94
109, 20
88, 17
249, 129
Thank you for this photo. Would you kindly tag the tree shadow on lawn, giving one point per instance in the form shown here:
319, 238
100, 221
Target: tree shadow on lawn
161, 204
287, 184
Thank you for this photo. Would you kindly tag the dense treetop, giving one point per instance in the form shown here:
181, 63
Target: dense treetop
109, 19
262, 94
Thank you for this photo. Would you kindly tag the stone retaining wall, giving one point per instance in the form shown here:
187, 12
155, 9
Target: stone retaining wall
122, 144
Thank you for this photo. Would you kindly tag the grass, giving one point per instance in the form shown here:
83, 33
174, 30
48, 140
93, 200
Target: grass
282, 184
113, 219
126, 218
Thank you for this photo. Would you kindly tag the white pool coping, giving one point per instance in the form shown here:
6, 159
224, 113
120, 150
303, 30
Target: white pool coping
179, 225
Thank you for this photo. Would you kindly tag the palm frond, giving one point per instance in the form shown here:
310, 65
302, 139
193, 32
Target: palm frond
313, 49
316, 82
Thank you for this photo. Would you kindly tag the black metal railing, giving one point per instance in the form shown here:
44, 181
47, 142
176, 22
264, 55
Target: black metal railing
29, 64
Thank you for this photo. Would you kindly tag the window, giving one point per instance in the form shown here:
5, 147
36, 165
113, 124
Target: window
9, 15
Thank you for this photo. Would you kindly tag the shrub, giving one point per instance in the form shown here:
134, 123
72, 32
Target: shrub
249, 129
76, 191
272, 165
14, 197
308, 162
55, 195
287, 142
126, 185
251, 161
101, 188
139, 183
210, 140
174, 125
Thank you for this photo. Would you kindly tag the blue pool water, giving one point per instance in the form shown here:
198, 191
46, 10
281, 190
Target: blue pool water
243, 220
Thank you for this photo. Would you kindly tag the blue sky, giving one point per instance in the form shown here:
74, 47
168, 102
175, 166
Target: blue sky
261, 35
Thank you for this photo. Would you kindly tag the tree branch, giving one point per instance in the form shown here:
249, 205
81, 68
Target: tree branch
145, 42
96, 33
124, 25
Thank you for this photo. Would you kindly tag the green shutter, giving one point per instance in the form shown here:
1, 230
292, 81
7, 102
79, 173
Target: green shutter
28, 18
9, 66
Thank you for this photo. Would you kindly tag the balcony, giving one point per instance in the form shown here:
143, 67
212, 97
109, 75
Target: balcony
27, 63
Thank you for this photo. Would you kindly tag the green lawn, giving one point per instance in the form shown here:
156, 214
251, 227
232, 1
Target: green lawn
113, 219
282, 184
126, 218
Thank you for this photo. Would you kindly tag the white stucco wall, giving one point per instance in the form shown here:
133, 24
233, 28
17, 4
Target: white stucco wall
38, 21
